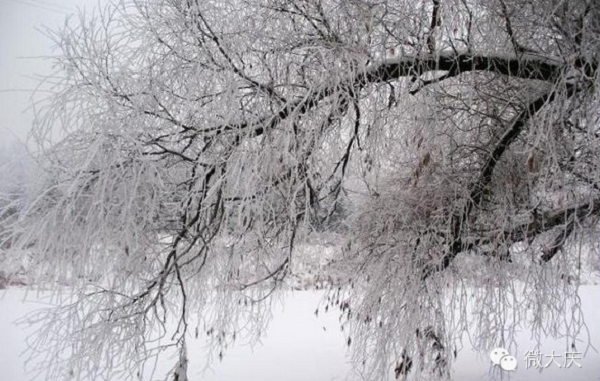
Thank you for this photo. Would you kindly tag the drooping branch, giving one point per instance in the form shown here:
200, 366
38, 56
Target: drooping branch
435, 23
509, 28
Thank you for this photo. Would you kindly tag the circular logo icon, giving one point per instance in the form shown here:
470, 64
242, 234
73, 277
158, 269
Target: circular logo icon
497, 354
508, 363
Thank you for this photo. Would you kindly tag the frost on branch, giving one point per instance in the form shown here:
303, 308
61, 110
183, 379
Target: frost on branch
448, 151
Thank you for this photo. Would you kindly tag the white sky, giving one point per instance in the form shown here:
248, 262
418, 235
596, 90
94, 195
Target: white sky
23, 47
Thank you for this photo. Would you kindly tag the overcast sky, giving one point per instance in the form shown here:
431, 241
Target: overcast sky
23, 47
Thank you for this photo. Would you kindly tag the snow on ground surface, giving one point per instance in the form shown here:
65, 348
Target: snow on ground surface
298, 346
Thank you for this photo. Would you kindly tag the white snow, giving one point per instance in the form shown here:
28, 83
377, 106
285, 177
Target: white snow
301, 346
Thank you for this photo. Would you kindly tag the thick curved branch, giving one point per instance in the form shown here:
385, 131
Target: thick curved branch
543, 222
526, 67
480, 186
563, 220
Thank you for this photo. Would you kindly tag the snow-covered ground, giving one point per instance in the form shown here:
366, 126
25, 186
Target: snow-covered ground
301, 346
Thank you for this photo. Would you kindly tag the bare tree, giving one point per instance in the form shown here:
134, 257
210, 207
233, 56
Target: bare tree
201, 142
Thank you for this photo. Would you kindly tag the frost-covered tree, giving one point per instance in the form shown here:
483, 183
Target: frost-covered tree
192, 146
15, 172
